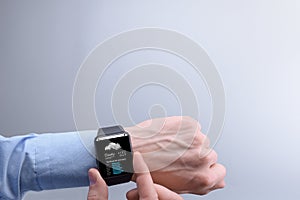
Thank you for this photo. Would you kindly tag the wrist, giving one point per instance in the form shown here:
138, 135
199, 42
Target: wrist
142, 139
134, 142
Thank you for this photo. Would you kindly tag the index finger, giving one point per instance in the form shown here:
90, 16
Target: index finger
144, 181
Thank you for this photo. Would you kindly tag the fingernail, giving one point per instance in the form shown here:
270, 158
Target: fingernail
92, 178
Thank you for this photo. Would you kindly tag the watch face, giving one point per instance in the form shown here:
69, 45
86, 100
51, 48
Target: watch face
114, 155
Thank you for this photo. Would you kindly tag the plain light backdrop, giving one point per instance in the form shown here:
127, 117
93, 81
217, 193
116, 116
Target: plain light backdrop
254, 44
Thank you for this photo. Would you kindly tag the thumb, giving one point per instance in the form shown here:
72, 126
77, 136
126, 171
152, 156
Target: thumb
98, 189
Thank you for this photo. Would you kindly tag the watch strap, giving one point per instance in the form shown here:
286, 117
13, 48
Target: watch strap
110, 130
118, 180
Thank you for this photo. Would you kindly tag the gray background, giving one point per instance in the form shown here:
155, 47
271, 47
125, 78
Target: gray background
255, 45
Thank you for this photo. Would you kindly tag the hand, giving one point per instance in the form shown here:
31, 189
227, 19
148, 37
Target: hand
98, 189
178, 154
145, 190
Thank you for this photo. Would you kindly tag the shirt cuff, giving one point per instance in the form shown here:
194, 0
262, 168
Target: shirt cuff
63, 159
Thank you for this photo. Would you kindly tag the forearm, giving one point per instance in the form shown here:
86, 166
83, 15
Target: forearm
172, 148
66, 158
42, 162
48, 161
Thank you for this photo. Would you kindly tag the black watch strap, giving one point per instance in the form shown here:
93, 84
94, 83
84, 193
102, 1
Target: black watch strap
110, 130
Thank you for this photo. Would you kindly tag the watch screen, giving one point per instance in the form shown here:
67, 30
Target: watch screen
114, 155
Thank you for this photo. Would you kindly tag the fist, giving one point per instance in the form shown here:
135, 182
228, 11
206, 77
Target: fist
178, 154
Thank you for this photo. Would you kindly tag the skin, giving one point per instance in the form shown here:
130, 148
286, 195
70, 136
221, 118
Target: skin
146, 189
184, 161
177, 155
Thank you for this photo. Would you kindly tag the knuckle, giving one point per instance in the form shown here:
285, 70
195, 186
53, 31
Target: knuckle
206, 141
209, 157
189, 159
223, 169
222, 184
206, 158
199, 140
206, 180
209, 180
213, 156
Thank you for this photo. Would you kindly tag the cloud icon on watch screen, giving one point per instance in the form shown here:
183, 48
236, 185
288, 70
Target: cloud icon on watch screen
112, 145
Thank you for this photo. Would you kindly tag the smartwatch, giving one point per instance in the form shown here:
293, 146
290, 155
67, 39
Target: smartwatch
113, 155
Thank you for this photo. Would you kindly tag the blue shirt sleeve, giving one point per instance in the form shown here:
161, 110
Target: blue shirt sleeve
44, 161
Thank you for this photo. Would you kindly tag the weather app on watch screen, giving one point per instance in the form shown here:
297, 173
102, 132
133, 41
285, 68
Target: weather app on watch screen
114, 155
